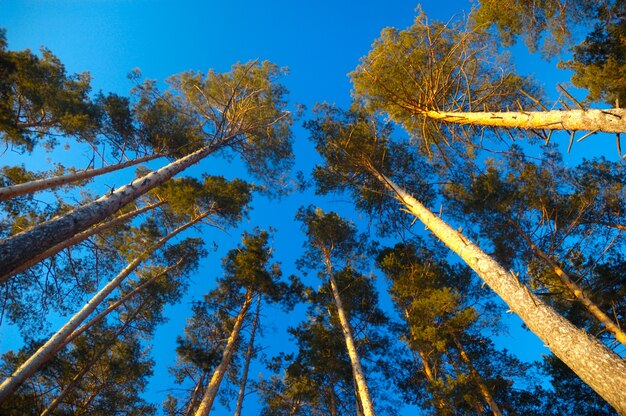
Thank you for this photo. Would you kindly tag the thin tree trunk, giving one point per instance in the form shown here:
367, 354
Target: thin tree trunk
430, 376
608, 121
113, 306
333, 400
19, 248
576, 290
13, 191
57, 400
211, 391
46, 351
359, 375
195, 394
246, 365
77, 239
599, 367
495, 409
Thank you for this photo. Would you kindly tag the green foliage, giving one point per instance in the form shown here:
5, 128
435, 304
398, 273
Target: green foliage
353, 146
441, 67
600, 60
37, 97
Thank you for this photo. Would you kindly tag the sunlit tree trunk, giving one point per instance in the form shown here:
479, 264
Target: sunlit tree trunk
603, 370
13, 191
359, 375
77, 239
246, 366
46, 351
211, 391
608, 121
18, 249
484, 390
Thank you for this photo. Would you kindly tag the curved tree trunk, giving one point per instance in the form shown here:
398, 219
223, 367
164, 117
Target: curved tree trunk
77, 239
211, 391
600, 368
46, 351
484, 390
246, 366
608, 121
13, 191
18, 249
359, 375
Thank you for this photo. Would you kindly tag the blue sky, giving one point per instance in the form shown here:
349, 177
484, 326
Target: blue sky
320, 42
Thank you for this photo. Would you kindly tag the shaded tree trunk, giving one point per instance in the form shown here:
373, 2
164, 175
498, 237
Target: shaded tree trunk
246, 366
600, 368
13, 191
484, 390
195, 395
77, 239
46, 351
211, 391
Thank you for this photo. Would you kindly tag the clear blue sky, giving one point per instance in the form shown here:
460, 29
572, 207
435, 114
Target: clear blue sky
319, 41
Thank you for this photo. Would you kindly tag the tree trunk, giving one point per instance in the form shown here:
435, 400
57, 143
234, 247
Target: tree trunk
575, 290
57, 400
194, 396
608, 121
211, 391
246, 366
77, 239
359, 375
13, 191
46, 351
112, 307
19, 248
484, 391
603, 370
430, 376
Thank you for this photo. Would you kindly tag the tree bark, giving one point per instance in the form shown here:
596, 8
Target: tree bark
77, 239
359, 375
484, 390
19, 248
13, 191
600, 368
46, 351
607, 121
211, 391
246, 366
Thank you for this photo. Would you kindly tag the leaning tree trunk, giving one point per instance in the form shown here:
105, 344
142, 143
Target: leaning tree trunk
599, 367
246, 365
19, 248
97, 356
484, 390
47, 351
77, 239
211, 391
607, 121
359, 375
195, 394
13, 191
